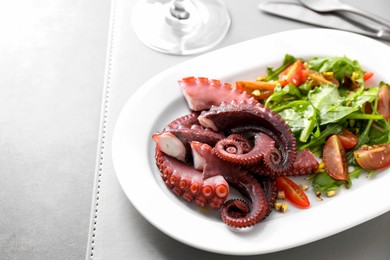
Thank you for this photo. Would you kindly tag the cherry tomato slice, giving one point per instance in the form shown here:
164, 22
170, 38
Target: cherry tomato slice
373, 157
348, 139
294, 74
259, 89
335, 158
367, 75
384, 101
292, 191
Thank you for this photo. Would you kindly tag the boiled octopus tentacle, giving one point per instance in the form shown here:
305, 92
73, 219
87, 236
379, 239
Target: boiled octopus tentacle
188, 183
272, 158
201, 93
243, 140
237, 149
270, 190
234, 215
260, 169
186, 121
175, 142
235, 116
237, 213
237, 143
175, 137
304, 164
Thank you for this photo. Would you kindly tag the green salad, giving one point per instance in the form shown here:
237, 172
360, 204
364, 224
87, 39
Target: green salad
333, 111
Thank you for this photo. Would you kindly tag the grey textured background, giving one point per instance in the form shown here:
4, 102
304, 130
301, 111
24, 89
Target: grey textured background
52, 63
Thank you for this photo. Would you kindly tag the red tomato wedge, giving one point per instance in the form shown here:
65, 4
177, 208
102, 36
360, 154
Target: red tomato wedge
384, 101
294, 74
373, 157
348, 139
335, 158
292, 191
367, 75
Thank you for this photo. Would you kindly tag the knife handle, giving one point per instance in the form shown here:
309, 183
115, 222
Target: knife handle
372, 17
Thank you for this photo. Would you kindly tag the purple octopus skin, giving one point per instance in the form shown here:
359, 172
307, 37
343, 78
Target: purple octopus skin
270, 190
238, 213
175, 138
304, 164
201, 93
238, 149
175, 142
235, 117
188, 183
186, 121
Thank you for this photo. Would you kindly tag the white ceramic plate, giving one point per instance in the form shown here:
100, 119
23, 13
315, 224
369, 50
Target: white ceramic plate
159, 101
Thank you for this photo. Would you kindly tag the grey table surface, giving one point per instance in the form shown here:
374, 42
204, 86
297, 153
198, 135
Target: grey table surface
55, 103
52, 63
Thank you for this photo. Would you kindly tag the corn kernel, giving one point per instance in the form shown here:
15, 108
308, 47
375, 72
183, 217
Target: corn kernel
321, 165
304, 187
331, 193
281, 207
256, 92
277, 206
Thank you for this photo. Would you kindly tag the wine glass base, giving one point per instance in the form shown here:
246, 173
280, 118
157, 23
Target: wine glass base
156, 27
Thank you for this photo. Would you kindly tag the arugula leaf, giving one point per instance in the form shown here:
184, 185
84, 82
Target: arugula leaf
273, 74
323, 182
333, 107
327, 100
301, 118
320, 140
359, 115
283, 94
342, 67
298, 113
356, 172
358, 99
364, 138
380, 132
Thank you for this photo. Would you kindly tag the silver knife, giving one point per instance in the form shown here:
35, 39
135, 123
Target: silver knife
295, 11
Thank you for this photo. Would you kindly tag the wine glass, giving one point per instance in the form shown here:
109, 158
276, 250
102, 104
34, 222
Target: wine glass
180, 27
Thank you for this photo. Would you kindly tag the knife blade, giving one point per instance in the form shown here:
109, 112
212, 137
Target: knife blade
295, 11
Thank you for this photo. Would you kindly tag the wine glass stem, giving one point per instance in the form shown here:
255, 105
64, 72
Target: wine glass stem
178, 10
